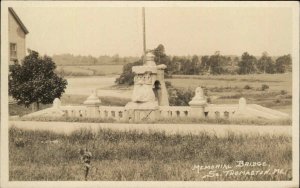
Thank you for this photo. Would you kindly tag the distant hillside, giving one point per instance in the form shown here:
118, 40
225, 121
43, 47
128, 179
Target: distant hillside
69, 59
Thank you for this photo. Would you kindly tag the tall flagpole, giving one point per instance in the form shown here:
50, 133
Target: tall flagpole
144, 32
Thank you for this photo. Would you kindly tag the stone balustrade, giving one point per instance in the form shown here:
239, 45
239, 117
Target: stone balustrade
221, 111
174, 111
198, 108
113, 112
120, 113
102, 112
74, 111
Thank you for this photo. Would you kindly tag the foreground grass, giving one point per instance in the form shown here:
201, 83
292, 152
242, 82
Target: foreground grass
133, 155
165, 121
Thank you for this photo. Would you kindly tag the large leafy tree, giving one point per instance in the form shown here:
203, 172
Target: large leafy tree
283, 63
265, 64
160, 57
127, 76
34, 81
247, 64
216, 63
204, 67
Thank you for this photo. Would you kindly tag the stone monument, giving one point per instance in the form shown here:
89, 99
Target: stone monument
198, 103
92, 103
149, 91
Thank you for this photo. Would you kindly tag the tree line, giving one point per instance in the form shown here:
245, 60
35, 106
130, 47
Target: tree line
70, 59
215, 64
221, 64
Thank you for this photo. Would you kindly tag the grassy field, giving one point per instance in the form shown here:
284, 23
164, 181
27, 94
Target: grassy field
132, 155
276, 82
227, 89
90, 70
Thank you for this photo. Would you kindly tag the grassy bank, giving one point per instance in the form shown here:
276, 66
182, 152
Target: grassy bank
138, 156
89, 70
227, 89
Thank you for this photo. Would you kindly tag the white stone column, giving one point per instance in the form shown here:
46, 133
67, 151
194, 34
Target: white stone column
92, 103
198, 103
242, 104
56, 103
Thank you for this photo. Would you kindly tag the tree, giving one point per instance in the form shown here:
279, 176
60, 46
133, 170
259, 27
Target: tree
247, 64
34, 81
204, 64
187, 67
127, 75
283, 63
216, 63
174, 65
160, 57
265, 64
195, 65
159, 53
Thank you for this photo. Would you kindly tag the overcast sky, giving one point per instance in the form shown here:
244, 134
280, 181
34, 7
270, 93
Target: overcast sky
183, 31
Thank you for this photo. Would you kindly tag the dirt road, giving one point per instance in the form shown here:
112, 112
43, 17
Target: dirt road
218, 130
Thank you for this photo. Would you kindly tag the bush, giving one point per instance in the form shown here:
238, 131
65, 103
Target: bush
264, 87
179, 96
208, 100
277, 101
247, 87
283, 92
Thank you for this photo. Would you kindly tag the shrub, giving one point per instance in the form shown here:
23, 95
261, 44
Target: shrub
247, 87
283, 92
264, 87
180, 97
277, 101
208, 100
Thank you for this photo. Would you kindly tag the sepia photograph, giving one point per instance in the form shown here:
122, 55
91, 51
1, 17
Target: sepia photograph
149, 94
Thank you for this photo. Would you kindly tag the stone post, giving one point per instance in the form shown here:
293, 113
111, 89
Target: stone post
56, 104
198, 103
92, 103
242, 110
242, 104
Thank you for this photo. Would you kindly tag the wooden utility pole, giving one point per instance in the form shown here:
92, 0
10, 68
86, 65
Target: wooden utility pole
144, 32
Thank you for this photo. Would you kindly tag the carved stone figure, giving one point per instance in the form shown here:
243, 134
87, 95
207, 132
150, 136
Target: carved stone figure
199, 98
142, 91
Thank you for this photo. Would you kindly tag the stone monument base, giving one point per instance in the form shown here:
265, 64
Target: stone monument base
139, 112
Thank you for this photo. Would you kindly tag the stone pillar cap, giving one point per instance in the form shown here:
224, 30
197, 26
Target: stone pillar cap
242, 103
161, 66
149, 59
56, 103
92, 99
